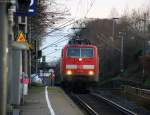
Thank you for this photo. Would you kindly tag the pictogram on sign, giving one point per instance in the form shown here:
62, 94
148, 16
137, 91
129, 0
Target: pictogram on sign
21, 38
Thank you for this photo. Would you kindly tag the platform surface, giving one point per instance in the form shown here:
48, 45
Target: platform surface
36, 102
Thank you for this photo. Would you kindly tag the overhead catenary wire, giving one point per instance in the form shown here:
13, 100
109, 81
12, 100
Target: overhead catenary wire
55, 45
52, 52
58, 39
74, 21
55, 42
60, 27
51, 44
54, 58
88, 10
57, 28
57, 49
61, 41
77, 9
63, 26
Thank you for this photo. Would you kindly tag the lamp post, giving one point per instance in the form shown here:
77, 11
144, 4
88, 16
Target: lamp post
113, 28
121, 34
143, 71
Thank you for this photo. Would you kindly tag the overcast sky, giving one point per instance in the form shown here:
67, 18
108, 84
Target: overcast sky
101, 8
91, 9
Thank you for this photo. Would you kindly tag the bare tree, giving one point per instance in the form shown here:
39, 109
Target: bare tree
47, 15
99, 32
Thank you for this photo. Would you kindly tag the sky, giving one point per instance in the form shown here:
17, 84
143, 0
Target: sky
90, 9
102, 8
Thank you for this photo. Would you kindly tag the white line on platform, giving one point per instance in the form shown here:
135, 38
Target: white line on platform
48, 102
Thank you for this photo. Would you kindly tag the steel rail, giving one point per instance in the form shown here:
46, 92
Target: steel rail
117, 106
87, 107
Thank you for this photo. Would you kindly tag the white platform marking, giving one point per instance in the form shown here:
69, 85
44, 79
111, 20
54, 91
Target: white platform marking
48, 102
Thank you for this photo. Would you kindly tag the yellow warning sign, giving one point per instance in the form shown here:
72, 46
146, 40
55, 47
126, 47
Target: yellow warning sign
21, 37
30, 46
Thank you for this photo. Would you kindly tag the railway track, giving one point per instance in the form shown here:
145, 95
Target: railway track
95, 104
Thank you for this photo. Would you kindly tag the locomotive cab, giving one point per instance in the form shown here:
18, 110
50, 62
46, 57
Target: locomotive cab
79, 63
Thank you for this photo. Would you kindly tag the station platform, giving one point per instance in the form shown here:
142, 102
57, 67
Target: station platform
48, 101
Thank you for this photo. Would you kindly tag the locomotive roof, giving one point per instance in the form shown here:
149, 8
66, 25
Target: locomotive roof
80, 45
79, 41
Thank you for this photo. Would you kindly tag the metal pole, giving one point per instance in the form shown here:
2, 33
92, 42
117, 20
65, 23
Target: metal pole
113, 28
36, 63
122, 52
113, 32
26, 52
29, 53
143, 72
3, 59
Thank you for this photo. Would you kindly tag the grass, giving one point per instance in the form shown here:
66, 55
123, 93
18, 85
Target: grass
38, 89
55, 90
147, 82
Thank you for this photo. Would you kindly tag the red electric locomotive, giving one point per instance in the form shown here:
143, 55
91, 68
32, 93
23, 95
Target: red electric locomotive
79, 62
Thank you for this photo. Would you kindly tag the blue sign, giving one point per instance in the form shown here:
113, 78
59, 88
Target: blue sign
31, 11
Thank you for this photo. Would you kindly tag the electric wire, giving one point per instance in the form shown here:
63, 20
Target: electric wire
63, 26
88, 10
52, 52
56, 50
55, 42
60, 27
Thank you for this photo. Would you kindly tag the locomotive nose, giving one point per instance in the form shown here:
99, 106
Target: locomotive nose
69, 72
91, 73
80, 59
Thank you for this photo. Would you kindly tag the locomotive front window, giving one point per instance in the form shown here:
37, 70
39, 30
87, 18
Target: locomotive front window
73, 52
80, 52
86, 52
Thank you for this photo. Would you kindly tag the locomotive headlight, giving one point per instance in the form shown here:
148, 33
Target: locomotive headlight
69, 72
91, 73
80, 59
